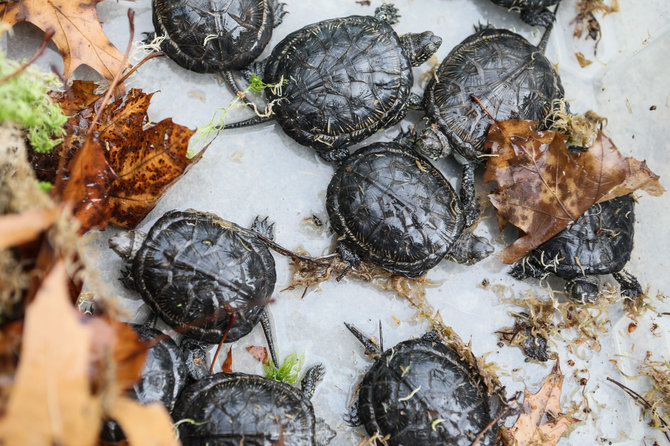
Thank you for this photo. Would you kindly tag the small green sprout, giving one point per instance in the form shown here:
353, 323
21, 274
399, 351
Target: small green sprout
24, 101
288, 371
45, 186
218, 121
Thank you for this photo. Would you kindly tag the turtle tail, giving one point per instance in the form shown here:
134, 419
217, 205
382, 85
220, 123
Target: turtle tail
246, 123
547, 31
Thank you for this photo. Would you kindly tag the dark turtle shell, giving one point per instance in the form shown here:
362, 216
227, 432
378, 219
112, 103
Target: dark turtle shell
533, 12
346, 78
162, 378
511, 77
197, 269
421, 393
393, 208
244, 409
599, 242
213, 35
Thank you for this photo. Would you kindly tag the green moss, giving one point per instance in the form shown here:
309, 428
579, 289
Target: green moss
24, 101
288, 371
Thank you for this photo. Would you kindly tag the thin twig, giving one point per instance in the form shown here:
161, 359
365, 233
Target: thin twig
47, 37
140, 63
640, 399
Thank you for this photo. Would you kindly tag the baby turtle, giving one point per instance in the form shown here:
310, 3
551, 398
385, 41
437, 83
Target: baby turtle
421, 393
512, 79
599, 242
162, 378
215, 35
197, 270
533, 12
343, 80
391, 207
231, 409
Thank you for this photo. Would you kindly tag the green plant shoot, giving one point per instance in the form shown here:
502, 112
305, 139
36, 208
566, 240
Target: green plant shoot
218, 122
24, 101
288, 371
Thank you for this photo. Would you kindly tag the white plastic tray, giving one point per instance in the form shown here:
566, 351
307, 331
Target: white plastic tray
277, 177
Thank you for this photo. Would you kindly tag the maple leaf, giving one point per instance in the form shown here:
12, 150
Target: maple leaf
77, 32
541, 421
542, 187
146, 159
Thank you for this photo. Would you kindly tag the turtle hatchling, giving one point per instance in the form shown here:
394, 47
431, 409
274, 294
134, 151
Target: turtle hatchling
162, 378
215, 35
391, 207
533, 12
200, 271
512, 79
421, 393
342, 80
599, 242
231, 409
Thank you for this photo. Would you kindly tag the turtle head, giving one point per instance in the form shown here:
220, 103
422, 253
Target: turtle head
420, 47
469, 248
126, 244
433, 143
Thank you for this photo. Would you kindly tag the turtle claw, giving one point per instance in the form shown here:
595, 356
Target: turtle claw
388, 13
313, 376
335, 156
278, 12
351, 417
264, 227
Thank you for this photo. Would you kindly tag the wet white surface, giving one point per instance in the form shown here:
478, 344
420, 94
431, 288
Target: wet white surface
260, 171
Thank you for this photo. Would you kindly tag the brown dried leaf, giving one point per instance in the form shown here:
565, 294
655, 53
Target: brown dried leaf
228, 363
16, 229
542, 187
78, 32
85, 185
260, 353
51, 401
148, 425
541, 421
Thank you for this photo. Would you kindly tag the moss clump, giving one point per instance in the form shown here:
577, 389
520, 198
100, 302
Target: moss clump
24, 101
288, 371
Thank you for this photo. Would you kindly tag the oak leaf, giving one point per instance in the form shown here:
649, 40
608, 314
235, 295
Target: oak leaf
542, 187
77, 32
541, 422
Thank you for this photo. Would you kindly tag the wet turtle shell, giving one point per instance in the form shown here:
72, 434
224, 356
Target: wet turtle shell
196, 269
345, 79
162, 378
391, 207
533, 12
599, 242
512, 78
421, 393
215, 35
245, 409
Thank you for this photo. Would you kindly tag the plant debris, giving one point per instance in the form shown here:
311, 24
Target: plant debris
77, 32
541, 421
537, 178
582, 129
585, 20
582, 60
658, 397
288, 371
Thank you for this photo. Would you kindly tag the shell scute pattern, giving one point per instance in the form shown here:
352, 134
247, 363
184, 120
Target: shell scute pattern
510, 76
394, 208
213, 35
347, 78
245, 409
195, 268
421, 393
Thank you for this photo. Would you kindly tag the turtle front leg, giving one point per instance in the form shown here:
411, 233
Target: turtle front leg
538, 16
313, 376
582, 290
335, 156
267, 331
264, 227
278, 12
468, 199
630, 287
527, 267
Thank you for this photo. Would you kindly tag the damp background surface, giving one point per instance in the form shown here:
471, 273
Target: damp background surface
261, 171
